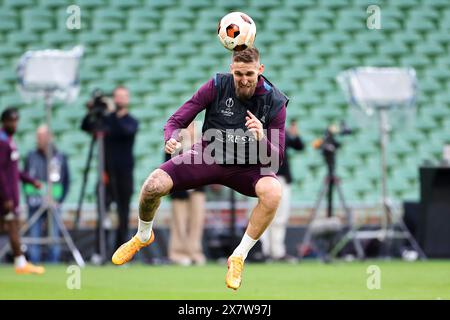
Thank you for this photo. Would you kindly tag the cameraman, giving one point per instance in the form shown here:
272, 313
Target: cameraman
120, 129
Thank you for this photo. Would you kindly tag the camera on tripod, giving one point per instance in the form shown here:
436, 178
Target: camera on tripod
98, 105
329, 143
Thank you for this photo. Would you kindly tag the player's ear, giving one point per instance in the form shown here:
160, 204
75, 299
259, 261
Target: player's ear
261, 69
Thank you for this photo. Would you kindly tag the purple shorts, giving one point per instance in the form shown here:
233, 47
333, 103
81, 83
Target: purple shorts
187, 174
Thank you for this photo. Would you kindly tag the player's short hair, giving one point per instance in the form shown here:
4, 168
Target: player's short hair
247, 55
10, 114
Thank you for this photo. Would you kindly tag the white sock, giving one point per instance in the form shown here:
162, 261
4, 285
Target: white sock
20, 261
244, 247
144, 230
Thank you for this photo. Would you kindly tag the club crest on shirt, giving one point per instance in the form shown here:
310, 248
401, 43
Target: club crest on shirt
15, 155
229, 103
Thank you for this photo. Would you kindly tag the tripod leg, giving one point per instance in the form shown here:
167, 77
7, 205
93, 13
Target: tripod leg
412, 240
352, 233
24, 229
307, 237
84, 183
75, 253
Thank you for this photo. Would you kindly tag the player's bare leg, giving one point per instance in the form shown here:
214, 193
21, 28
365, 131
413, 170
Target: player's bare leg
157, 185
268, 190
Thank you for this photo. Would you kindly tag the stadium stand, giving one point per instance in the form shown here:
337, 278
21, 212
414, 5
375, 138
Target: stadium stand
163, 50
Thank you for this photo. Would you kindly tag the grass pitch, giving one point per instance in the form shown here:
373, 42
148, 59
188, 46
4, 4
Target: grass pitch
307, 280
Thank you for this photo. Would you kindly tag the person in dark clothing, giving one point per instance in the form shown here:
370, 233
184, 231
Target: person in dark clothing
120, 131
9, 189
273, 240
36, 167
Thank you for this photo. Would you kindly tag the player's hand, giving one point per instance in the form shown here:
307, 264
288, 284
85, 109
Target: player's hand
172, 145
254, 126
8, 206
37, 184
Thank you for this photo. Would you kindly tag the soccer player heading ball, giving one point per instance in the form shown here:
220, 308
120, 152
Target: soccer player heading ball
242, 147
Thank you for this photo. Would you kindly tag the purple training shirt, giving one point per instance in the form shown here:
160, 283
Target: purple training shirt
204, 97
9, 173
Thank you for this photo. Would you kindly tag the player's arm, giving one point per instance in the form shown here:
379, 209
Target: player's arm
276, 127
5, 191
186, 114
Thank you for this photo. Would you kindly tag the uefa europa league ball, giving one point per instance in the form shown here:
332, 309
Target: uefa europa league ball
236, 31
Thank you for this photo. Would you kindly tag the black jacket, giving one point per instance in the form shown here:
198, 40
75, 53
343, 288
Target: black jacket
295, 143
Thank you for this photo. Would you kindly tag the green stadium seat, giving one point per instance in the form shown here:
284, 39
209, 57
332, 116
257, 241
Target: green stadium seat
195, 4
112, 50
333, 4
126, 5
423, 26
121, 75
133, 62
106, 26
407, 37
144, 50
36, 14
127, 38
88, 75
11, 100
96, 63
343, 62
416, 61
429, 86
283, 13
59, 38
192, 74
405, 4
322, 49
109, 14
393, 49
8, 25
358, 49
159, 4
143, 26
424, 12
429, 49
283, 26
350, 25
441, 38
299, 4
160, 101
426, 122
437, 4
319, 14
335, 38
318, 86
17, 4
437, 74
306, 61
93, 38
178, 26
143, 14
180, 14
182, 50
53, 4
314, 26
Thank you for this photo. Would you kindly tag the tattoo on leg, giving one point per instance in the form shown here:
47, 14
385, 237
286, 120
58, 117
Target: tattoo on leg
151, 193
147, 208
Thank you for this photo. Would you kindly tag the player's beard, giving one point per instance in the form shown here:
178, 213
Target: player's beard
246, 92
